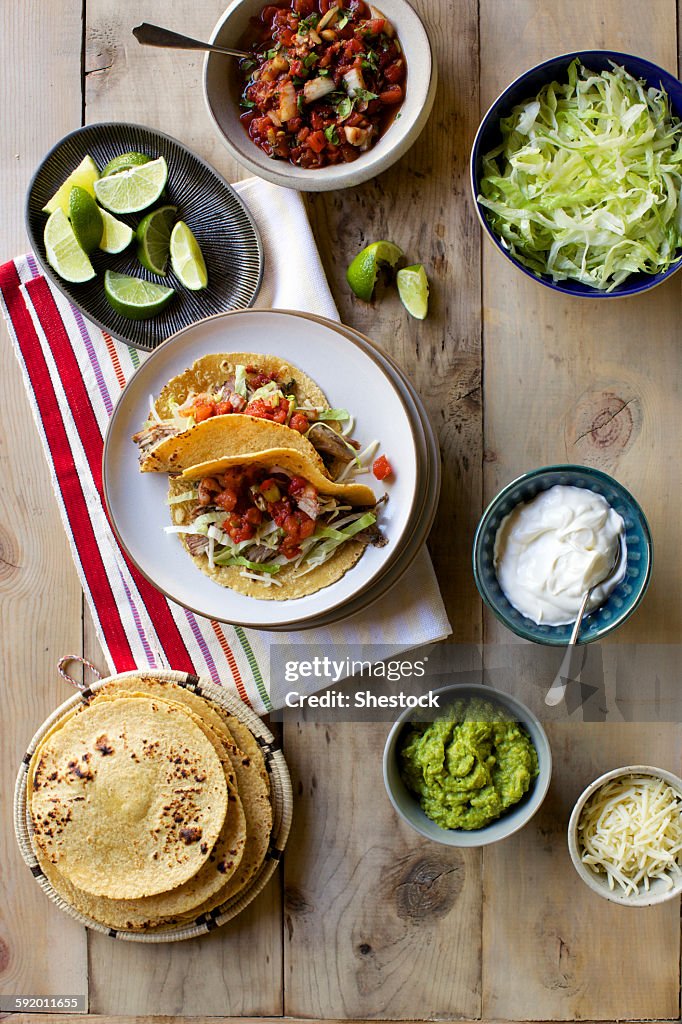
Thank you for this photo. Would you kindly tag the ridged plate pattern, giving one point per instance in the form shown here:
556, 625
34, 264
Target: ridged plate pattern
214, 212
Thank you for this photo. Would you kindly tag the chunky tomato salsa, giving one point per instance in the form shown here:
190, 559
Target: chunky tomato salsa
326, 79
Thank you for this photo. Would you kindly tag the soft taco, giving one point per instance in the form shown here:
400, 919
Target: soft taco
271, 524
241, 402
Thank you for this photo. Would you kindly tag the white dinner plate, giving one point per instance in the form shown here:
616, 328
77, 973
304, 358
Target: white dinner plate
350, 377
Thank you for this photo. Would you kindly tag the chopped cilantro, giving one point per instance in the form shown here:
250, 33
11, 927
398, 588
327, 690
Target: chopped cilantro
310, 60
332, 135
305, 24
370, 61
299, 102
324, 72
248, 104
365, 96
344, 107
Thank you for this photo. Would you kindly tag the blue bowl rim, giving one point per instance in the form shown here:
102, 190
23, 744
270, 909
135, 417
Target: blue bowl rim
599, 474
511, 703
643, 285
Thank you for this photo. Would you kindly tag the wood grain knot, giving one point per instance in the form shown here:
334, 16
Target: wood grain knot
4, 956
295, 901
429, 888
605, 423
9, 554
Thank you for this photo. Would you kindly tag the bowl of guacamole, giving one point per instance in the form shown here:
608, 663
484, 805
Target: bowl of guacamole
474, 774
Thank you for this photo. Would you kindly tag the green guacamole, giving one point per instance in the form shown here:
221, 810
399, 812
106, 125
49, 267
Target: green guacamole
470, 765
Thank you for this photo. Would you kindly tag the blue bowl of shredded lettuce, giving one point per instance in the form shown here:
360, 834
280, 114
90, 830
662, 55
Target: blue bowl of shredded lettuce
576, 171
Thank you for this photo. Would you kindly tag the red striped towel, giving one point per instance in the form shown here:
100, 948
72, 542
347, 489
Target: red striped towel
74, 374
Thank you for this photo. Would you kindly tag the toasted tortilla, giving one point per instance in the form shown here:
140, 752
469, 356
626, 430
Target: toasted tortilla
292, 582
294, 463
221, 436
127, 798
205, 441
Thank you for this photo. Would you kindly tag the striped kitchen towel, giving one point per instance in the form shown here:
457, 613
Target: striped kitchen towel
74, 374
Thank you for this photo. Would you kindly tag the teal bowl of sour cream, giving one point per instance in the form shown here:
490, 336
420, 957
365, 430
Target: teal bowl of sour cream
546, 538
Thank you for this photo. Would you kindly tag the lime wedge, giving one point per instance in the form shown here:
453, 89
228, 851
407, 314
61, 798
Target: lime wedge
85, 175
86, 219
133, 190
134, 298
186, 258
64, 254
116, 236
362, 273
153, 238
413, 289
124, 162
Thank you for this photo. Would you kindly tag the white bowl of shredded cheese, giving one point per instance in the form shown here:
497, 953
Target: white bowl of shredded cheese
625, 836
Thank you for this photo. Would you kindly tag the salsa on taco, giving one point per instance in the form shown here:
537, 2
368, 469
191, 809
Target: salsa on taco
272, 525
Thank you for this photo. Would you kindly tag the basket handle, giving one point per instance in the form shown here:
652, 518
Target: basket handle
66, 660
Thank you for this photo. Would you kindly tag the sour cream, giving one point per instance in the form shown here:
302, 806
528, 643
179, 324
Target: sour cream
551, 550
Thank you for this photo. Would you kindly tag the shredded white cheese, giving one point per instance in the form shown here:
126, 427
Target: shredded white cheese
631, 830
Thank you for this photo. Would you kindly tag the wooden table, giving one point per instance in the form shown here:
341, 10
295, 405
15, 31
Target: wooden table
366, 920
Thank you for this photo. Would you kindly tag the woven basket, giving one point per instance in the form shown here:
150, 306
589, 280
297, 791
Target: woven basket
280, 795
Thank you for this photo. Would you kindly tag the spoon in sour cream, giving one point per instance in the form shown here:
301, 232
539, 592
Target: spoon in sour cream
557, 690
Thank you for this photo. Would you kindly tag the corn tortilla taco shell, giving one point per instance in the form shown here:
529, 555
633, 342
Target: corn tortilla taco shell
127, 798
210, 370
221, 436
294, 463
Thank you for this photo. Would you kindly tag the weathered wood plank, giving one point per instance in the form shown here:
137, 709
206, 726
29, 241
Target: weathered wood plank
41, 950
600, 383
238, 968
379, 923
376, 918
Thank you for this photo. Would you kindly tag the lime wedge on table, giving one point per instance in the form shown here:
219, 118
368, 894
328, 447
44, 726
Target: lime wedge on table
413, 289
134, 298
153, 238
186, 258
133, 190
124, 162
116, 236
85, 175
86, 218
64, 254
362, 273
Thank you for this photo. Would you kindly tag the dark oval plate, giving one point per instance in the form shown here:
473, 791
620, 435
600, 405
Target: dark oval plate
224, 228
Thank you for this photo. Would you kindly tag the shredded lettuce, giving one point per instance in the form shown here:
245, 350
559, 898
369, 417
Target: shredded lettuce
586, 182
268, 392
185, 496
226, 558
240, 381
333, 414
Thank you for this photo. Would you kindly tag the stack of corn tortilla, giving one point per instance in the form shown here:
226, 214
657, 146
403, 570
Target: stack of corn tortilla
150, 806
